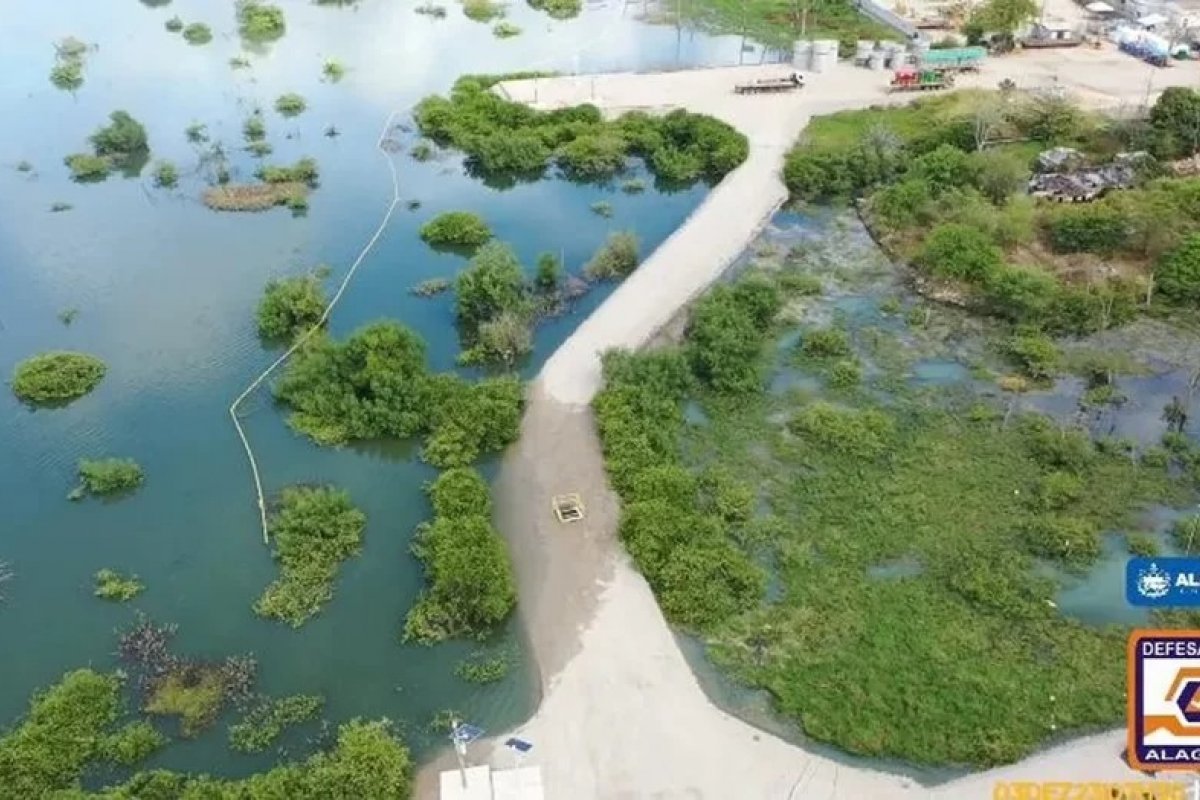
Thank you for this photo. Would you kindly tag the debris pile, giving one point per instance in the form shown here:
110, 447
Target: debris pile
1062, 175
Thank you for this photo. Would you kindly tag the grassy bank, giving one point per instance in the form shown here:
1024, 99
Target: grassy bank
779, 23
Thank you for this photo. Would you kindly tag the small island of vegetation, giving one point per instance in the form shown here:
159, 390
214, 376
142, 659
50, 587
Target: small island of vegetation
57, 377
280, 186
112, 585
266, 721
121, 144
259, 21
558, 9
67, 72
107, 476
314, 530
471, 588
197, 33
460, 230
290, 104
290, 306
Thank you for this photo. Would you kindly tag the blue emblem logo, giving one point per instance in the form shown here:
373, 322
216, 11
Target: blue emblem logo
1163, 582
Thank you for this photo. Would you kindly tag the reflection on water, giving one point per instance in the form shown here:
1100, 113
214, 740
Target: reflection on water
166, 290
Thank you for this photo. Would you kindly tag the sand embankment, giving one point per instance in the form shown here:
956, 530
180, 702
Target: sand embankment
623, 716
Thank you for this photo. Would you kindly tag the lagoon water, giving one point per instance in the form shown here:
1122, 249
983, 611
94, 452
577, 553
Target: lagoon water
166, 290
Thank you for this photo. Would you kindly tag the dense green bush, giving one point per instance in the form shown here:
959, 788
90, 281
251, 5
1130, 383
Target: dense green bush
87, 168
132, 744
1035, 352
857, 433
954, 250
1177, 275
112, 585
470, 420
945, 167
109, 476
460, 492
303, 171
166, 175
65, 729
492, 284
1087, 228
56, 377
503, 138
825, 343
290, 104
457, 229
260, 22
615, 259
998, 174
471, 588
504, 339
727, 335
197, 33
558, 9
1021, 294
314, 530
549, 273
123, 138
1175, 117
290, 306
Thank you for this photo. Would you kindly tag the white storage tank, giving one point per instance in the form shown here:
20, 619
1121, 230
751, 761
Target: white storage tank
824, 55
802, 55
863, 51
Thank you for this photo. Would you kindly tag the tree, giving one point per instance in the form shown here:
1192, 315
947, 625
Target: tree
290, 306
122, 138
726, 334
1178, 273
1175, 116
456, 229
998, 175
1005, 16
945, 167
954, 250
491, 284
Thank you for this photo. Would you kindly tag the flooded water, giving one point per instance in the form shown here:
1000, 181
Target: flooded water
165, 292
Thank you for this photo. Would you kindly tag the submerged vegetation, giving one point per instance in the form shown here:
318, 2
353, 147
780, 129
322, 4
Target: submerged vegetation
290, 104
197, 33
281, 186
111, 585
507, 141
314, 530
558, 9
470, 582
121, 144
56, 377
505, 30
290, 306
166, 175
266, 721
107, 476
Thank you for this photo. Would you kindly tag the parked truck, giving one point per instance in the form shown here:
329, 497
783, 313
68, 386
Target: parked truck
783, 84
908, 79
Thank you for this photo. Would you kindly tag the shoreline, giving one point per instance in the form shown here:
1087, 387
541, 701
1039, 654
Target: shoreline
622, 714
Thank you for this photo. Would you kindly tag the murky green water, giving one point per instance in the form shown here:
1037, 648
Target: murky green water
166, 292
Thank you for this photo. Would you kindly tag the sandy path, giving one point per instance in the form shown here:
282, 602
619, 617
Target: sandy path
623, 716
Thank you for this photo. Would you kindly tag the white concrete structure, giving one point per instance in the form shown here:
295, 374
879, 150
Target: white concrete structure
473, 783
522, 783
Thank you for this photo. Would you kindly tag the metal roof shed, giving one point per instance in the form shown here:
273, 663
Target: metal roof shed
522, 783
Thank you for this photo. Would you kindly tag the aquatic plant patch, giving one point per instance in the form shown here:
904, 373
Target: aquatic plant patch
264, 723
313, 529
107, 476
290, 306
111, 585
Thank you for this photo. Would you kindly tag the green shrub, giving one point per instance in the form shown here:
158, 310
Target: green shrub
1086, 228
1186, 533
86, 168
460, 492
1174, 118
1142, 545
111, 585
194, 693
1069, 539
825, 343
998, 174
457, 229
1177, 275
505, 30
132, 743
108, 476
174, 25
593, 156
471, 588
332, 70
1035, 353
197, 33
1055, 491
290, 306
56, 377
67, 74
1057, 448
123, 138
727, 333
482, 10
314, 529
254, 129
65, 728
953, 250
1021, 294
492, 284
482, 669
860, 434
549, 273
290, 104
265, 722
845, 374
905, 204
501, 340
472, 420
260, 22
615, 259
944, 168
166, 176
558, 9
303, 171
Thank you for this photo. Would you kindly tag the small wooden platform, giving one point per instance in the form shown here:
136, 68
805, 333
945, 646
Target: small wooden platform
568, 507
